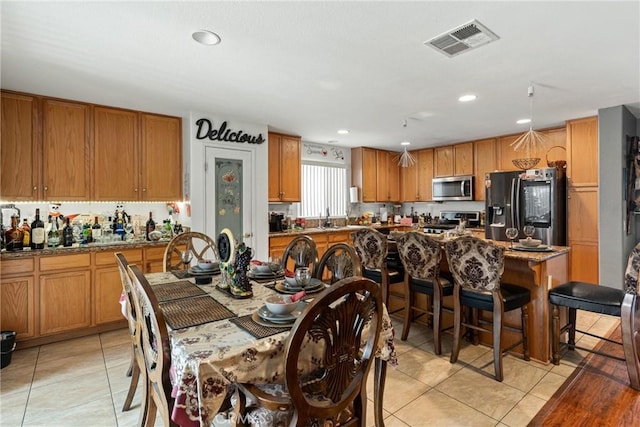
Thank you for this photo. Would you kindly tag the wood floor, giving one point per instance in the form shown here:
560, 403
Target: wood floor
596, 394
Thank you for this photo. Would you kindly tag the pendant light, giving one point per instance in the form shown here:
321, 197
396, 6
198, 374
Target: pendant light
406, 159
528, 141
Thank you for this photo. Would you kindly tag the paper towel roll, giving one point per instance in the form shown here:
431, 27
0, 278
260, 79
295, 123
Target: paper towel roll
353, 195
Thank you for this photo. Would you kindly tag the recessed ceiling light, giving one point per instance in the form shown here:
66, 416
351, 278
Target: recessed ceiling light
523, 121
467, 98
206, 37
405, 143
343, 131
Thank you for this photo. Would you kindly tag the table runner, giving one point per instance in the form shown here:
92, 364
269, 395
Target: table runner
258, 331
176, 290
186, 312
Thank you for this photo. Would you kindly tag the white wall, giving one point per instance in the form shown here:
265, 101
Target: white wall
194, 170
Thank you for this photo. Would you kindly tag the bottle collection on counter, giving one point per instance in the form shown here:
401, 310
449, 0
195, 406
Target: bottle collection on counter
69, 232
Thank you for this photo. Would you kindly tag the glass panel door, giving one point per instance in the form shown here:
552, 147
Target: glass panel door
536, 203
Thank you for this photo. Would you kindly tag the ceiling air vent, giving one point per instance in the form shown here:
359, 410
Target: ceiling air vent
462, 39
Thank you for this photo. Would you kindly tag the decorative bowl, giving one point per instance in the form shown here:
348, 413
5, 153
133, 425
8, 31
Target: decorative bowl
277, 305
262, 268
530, 243
207, 264
155, 235
291, 282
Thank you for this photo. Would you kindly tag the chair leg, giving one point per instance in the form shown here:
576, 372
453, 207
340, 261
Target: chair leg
555, 334
475, 335
152, 408
408, 303
572, 328
457, 325
630, 325
525, 332
135, 375
497, 344
437, 318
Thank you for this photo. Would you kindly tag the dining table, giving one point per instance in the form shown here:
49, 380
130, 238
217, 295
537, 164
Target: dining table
218, 340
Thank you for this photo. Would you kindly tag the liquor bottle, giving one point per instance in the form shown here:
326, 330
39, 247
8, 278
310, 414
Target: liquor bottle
151, 226
96, 231
86, 233
67, 234
53, 238
26, 236
13, 236
37, 232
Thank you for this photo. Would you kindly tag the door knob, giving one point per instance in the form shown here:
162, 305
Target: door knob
247, 234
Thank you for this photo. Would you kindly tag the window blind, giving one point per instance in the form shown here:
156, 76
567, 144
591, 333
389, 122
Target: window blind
323, 187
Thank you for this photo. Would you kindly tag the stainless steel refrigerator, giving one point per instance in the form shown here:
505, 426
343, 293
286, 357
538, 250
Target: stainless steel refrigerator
534, 197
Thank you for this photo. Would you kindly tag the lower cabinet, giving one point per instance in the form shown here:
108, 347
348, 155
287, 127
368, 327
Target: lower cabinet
65, 301
17, 299
108, 284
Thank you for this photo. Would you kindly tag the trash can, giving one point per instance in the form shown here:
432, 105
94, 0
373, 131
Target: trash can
8, 344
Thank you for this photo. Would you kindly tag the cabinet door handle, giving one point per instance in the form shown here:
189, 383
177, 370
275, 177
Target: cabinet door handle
135, 190
46, 188
144, 189
35, 188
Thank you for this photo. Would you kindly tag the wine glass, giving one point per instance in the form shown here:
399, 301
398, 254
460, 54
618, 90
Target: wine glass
528, 231
303, 276
186, 257
511, 233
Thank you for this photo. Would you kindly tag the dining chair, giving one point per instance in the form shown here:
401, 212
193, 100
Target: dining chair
420, 256
137, 369
300, 252
199, 244
328, 387
477, 266
601, 299
373, 250
156, 350
338, 262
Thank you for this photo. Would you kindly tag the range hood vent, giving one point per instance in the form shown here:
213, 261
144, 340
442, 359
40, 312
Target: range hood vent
462, 39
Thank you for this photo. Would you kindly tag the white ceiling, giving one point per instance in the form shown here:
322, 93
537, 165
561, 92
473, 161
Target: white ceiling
311, 68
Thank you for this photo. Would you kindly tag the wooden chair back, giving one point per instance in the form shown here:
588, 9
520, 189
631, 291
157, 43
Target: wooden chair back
420, 255
199, 244
137, 368
348, 312
371, 246
156, 349
338, 262
475, 264
630, 318
300, 252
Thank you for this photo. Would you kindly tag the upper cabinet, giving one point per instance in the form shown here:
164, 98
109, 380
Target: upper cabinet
62, 150
416, 179
284, 168
582, 147
387, 176
364, 172
66, 152
20, 147
485, 161
161, 155
453, 160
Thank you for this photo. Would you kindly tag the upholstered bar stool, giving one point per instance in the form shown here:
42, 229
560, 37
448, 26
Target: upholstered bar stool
603, 300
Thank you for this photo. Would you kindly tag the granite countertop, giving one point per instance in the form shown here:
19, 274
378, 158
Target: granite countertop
92, 247
319, 230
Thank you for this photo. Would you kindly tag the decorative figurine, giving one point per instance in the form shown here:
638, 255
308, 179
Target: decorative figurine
120, 221
241, 286
234, 264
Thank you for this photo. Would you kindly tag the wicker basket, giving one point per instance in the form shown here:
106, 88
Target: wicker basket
558, 164
526, 163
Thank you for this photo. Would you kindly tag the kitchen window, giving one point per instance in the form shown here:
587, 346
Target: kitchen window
323, 187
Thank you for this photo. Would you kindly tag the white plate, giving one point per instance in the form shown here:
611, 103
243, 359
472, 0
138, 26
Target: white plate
541, 248
265, 314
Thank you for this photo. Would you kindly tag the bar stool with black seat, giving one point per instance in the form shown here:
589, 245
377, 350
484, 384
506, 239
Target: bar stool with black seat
600, 299
477, 266
420, 256
372, 248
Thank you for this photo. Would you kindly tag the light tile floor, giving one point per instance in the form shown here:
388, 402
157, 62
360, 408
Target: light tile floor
82, 382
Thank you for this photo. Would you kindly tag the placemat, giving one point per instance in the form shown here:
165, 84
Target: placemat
181, 274
258, 331
186, 312
176, 290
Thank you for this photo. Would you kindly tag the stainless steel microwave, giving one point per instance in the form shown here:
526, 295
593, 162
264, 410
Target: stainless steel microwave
452, 188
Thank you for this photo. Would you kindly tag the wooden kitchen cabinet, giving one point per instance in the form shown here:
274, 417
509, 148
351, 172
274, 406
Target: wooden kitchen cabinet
416, 179
17, 298
20, 177
364, 172
66, 150
582, 199
116, 142
453, 160
108, 284
284, 168
387, 177
486, 161
161, 158
506, 155
154, 259
65, 293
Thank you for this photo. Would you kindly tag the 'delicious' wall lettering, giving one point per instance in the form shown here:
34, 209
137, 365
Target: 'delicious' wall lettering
205, 130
